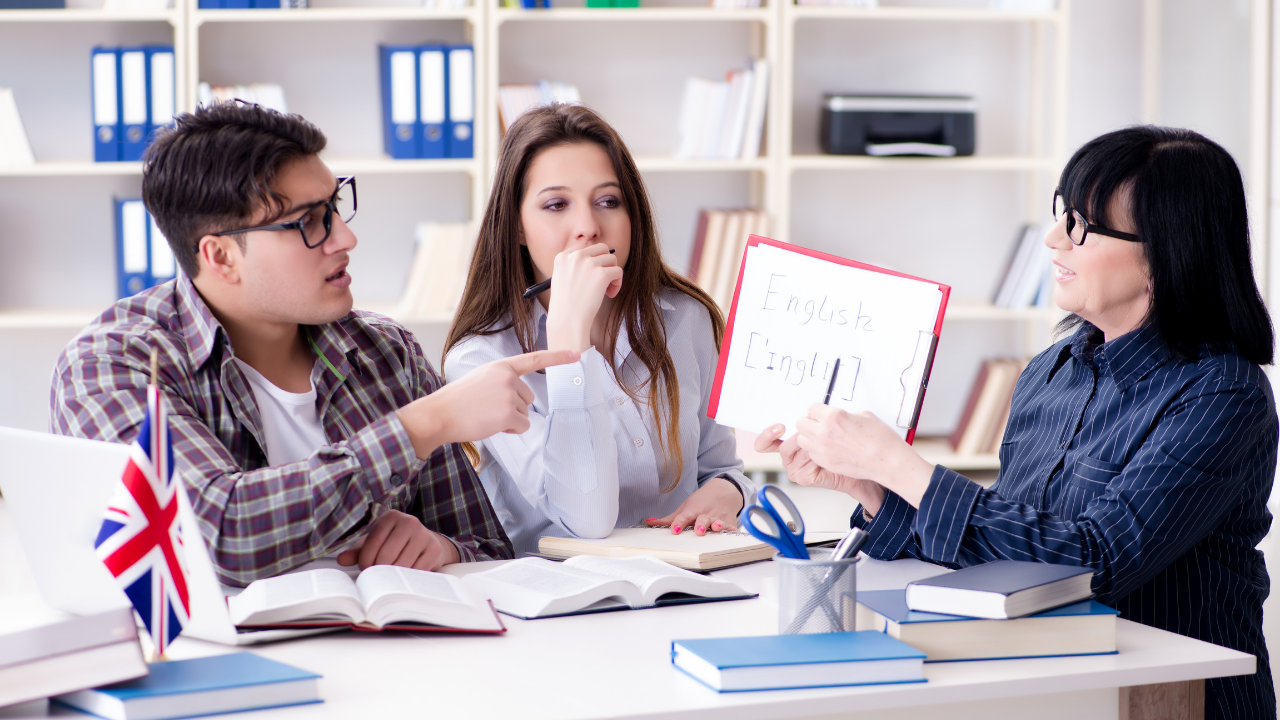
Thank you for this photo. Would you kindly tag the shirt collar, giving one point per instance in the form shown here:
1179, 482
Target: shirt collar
1127, 359
621, 349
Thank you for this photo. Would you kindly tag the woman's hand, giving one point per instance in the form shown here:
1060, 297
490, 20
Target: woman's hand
860, 445
714, 506
583, 278
802, 470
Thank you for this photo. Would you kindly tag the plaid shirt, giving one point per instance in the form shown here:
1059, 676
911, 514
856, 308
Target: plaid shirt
260, 521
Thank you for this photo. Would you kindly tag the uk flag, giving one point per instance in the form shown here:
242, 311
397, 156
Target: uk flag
141, 540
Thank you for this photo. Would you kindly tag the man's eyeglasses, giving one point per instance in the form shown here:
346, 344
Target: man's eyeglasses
1078, 228
317, 223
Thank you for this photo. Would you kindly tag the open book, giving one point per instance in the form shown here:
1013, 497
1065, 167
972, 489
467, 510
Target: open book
383, 597
712, 551
533, 587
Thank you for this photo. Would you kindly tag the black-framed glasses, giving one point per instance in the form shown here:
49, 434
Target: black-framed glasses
1078, 228
316, 223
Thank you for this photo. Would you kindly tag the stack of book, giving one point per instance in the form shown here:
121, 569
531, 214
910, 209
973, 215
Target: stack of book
15, 149
516, 100
724, 120
438, 271
718, 246
268, 95
986, 413
1027, 279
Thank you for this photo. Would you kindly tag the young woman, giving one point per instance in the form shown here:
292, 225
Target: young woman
622, 436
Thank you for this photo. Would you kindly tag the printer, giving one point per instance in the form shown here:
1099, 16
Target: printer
937, 125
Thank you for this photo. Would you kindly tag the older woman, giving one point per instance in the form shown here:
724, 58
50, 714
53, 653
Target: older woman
1143, 445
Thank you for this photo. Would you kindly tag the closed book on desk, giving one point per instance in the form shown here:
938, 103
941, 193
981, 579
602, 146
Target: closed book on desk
776, 662
44, 651
1084, 628
712, 551
534, 588
202, 686
1001, 589
383, 597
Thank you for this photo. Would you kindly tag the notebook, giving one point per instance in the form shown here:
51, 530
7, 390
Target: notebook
1001, 589
1083, 628
776, 662
713, 551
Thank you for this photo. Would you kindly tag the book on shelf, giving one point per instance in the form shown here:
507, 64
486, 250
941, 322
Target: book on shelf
735, 4
712, 551
268, 95
383, 597
516, 100
15, 148
33, 4
1026, 276
842, 3
234, 682
1001, 589
438, 270
143, 256
718, 248
1083, 628
44, 651
724, 119
428, 101
536, 588
986, 412
133, 95
776, 662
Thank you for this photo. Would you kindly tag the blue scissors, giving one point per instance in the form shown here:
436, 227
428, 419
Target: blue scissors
768, 525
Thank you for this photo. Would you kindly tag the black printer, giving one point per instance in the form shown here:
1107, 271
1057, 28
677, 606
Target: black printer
897, 125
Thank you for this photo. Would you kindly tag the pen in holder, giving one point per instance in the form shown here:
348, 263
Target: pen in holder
818, 595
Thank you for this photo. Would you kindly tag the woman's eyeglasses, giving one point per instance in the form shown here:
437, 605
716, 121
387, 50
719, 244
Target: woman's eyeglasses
1078, 228
317, 223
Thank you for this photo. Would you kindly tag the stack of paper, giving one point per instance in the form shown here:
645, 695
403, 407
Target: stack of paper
516, 100
724, 120
15, 150
439, 270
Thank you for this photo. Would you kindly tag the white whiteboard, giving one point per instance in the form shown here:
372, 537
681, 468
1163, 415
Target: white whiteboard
795, 314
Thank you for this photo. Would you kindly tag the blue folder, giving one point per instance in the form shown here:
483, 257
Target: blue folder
132, 247
400, 126
104, 64
462, 101
433, 99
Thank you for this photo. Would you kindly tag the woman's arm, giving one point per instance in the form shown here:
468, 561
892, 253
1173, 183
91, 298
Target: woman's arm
566, 464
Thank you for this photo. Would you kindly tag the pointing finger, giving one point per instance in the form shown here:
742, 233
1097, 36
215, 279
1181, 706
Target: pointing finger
535, 361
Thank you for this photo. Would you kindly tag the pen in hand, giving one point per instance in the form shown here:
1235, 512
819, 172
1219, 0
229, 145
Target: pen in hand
831, 386
534, 291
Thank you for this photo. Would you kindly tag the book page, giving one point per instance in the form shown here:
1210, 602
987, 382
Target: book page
661, 538
654, 577
395, 595
315, 595
797, 314
378, 581
533, 587
545, 577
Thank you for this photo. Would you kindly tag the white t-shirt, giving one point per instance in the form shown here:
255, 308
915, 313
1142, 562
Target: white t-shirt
290, 423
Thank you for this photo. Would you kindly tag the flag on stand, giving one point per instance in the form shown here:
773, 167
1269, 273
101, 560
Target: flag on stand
141, 540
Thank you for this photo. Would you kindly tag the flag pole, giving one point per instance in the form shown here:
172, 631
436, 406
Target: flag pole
155, 655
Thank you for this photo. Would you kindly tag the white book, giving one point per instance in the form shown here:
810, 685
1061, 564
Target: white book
713, 120
689, 131
741, 85
1033, 274
735, 241
438, 271
754, 130
533, 587
383, 595
1013, 276
15, 148
711, 248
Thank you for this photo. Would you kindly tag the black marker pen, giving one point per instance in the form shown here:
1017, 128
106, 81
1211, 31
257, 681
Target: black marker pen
832, 386
534, 291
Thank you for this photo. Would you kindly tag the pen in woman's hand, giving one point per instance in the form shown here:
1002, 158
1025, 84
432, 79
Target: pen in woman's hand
534, 291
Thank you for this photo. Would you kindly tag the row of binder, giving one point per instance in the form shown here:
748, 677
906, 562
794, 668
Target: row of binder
143, 255
428, 101
251, 4
133, 95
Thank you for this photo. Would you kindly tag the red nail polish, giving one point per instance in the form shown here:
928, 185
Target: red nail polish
676, 529
701, 529
651, 520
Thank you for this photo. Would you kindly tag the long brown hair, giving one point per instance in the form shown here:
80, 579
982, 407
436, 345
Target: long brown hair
501, 268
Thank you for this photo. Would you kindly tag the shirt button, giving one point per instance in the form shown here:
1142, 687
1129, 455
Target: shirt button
577, 381
619, 401
638, 442
396, 479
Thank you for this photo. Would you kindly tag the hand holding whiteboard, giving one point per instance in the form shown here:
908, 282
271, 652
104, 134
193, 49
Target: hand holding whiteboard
796, 310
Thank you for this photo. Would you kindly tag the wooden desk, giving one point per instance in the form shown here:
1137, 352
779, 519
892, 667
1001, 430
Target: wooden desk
618, 665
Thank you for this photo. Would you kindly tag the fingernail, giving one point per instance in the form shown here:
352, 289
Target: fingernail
715, 525
778, 428
651, 519
675, 529
701, 529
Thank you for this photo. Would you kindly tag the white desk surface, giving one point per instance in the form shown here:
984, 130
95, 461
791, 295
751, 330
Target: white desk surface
618, 665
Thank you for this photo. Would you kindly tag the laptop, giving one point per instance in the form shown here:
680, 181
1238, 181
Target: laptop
56, 489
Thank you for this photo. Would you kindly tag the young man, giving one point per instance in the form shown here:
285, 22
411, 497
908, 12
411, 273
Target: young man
298, 424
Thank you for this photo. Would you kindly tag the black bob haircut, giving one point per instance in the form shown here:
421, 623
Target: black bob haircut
1188, 204
216, 167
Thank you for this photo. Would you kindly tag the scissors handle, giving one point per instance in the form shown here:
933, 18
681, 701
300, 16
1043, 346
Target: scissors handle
773, 500
765, 527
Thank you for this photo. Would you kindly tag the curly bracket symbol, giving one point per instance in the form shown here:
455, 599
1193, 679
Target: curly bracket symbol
915, 378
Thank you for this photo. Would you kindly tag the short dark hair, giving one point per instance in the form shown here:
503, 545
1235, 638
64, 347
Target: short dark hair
1188, 203
216, 166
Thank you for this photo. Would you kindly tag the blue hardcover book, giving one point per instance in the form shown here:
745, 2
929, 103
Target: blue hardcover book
161, 89
132, 247
104, 64
1001, 589
235, 682
1082, 628
400, 126
462, 101
134, 97
776, 662
433, 98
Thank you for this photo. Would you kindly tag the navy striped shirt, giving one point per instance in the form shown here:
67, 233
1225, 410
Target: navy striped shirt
1153, 471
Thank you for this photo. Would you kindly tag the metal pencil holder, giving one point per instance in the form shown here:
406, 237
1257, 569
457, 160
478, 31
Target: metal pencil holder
818, 595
